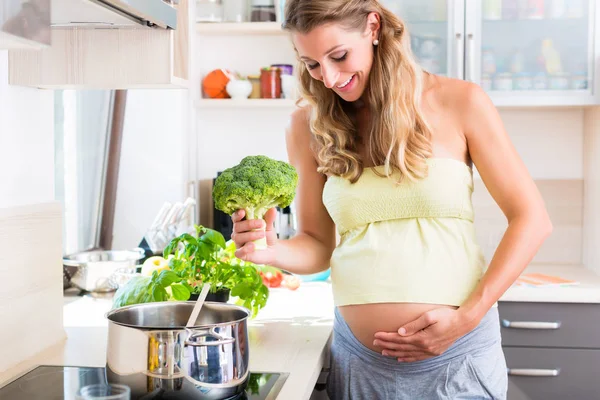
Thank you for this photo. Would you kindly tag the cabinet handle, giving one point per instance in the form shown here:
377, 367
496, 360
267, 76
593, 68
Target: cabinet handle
460, 55
530, 324
533, 372
471, 41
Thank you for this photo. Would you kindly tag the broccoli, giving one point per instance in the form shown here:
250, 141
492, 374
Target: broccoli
256, 184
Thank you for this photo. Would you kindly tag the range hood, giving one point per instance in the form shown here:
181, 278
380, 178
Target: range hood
114, 13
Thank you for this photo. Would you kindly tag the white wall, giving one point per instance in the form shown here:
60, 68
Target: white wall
30, 224
26, 142
154, 159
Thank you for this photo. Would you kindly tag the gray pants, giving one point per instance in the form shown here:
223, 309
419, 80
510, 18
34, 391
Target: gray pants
472, 368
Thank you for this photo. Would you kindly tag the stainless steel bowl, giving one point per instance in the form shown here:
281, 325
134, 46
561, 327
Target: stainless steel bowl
99, 270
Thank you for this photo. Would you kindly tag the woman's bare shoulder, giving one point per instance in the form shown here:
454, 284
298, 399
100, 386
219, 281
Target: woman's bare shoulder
462, 95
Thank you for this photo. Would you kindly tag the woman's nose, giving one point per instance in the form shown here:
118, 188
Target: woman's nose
330, 77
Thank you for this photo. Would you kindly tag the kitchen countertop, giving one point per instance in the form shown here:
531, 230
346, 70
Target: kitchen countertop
290, 334
587, 291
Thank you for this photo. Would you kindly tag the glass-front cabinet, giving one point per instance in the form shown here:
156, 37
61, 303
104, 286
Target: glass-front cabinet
436, 33
522, 52
538, 52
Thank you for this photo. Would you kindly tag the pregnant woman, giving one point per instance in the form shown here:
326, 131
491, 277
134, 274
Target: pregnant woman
385, 153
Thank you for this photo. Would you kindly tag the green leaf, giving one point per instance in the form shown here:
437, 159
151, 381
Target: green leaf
166, 278
159, 293
180, 292
213, 237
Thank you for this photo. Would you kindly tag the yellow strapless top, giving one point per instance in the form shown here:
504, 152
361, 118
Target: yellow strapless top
408, 242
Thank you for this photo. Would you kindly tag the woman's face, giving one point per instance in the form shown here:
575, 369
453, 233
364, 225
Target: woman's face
338, 57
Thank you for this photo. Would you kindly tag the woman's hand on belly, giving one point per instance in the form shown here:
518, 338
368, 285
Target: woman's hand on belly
427, 336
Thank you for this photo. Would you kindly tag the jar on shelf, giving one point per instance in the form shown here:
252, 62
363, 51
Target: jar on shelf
523, 81
579, 81
286, 69
270, 83
263, 11
235, 11
503, 81
540, 81
492, 10
255, 81
559, 81
209, 10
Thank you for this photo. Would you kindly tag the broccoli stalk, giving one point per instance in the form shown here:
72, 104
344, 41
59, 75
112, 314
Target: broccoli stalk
256, 184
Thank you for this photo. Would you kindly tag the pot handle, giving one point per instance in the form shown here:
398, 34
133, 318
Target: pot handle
220, 339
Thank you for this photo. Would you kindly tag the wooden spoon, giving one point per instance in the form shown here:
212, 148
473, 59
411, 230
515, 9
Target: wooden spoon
198, 306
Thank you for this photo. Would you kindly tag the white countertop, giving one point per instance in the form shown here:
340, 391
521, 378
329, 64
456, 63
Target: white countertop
289, 335
587, 291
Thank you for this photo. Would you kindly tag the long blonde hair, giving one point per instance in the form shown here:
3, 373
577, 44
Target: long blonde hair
399, 137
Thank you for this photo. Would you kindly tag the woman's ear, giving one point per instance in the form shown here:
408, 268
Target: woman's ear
373, 25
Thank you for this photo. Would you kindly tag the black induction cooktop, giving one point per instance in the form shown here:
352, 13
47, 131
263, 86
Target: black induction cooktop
47, 382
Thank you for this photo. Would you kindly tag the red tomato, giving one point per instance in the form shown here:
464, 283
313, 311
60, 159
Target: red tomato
272, 280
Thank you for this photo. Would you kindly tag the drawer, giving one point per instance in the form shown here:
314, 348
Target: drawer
549, 374
550, 324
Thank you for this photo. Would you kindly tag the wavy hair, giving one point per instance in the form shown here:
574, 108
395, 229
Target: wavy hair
399, 137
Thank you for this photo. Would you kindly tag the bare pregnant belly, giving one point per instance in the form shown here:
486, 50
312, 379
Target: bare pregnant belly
366, 319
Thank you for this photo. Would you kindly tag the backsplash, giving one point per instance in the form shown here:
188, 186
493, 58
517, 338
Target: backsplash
31, 296
564, 202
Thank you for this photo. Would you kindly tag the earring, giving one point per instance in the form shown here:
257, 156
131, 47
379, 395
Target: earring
375, 42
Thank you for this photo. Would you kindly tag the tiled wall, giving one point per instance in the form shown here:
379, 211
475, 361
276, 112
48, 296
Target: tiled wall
564, 202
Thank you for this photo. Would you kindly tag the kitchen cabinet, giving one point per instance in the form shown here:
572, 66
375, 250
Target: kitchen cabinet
121, 53
522, 52
552, 350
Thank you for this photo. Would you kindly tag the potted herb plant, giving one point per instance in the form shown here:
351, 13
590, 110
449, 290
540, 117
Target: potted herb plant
207, 258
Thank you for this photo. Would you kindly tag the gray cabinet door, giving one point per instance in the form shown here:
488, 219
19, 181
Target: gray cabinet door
552, 374
574, 325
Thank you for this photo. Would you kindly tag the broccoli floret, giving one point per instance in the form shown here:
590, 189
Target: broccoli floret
256, 184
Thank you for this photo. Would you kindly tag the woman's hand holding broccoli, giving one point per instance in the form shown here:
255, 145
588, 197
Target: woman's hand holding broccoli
247, 232
249, 192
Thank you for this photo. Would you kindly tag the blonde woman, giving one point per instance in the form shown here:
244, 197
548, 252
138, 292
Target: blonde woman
384, 153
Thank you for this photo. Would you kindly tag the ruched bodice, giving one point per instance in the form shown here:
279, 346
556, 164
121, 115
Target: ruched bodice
406, 242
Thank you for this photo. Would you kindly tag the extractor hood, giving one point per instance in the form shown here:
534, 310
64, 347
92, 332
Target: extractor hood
114, 13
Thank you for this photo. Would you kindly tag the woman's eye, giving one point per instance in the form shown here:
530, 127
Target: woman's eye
312, 66
340, 59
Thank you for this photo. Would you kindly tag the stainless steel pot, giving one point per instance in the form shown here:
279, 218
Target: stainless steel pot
102, 270
150, 350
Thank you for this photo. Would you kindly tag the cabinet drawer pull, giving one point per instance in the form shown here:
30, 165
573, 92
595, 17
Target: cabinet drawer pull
533, 372
530, 324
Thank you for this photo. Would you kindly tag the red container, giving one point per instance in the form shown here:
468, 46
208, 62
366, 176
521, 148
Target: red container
270, 83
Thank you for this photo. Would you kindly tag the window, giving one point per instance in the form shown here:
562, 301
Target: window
82, 121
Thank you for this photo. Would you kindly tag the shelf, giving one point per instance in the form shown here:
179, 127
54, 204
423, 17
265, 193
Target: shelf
239, 28
245, 103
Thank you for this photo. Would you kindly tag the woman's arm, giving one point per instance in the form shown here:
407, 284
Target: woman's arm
309, 251
508, 181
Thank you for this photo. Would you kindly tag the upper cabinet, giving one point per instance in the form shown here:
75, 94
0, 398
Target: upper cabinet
109, 44
522, 52
24, 25
436, 42
542, 49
